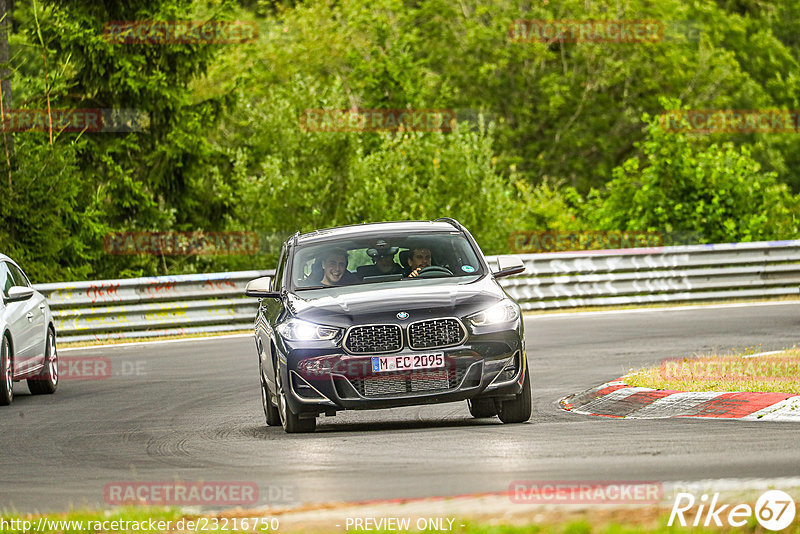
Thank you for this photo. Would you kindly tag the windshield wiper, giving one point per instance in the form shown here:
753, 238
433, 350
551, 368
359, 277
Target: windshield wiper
311, 287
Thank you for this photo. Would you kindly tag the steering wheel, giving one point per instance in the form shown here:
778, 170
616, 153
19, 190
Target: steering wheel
434, 271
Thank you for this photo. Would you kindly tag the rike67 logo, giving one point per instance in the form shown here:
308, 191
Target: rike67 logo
774, 510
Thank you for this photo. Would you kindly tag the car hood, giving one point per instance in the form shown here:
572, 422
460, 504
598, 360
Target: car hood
380, 303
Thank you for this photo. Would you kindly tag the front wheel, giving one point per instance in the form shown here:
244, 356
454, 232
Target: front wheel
480, 408
6, 373
270, 410
519, 409
47, 381
291, 421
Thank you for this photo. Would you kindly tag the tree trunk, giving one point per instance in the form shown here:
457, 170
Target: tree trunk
6, 7
5, 27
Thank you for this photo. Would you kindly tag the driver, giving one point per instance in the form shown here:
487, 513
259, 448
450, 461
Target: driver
418, 259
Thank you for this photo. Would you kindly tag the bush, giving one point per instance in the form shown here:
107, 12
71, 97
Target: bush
719, 193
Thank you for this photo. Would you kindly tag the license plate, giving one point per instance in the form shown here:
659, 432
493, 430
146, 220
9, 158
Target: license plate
403, 362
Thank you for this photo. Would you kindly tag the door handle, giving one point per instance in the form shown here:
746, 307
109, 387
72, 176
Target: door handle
42, 307
29, 315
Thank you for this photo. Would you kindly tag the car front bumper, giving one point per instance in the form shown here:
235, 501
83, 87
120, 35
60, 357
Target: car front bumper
491, 364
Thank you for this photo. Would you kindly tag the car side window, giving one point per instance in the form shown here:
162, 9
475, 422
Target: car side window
19, 277
278, 279
6, 281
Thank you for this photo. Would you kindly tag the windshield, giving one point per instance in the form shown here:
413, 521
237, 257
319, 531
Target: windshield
384, 258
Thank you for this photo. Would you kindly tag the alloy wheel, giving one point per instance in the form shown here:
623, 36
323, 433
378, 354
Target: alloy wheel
9, 374
52, 359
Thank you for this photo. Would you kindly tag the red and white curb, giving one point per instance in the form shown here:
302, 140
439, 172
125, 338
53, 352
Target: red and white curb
618, 399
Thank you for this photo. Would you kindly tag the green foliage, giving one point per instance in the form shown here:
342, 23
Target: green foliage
43, 228
719, 193
561, 147
289, 179
565, 112
151, 180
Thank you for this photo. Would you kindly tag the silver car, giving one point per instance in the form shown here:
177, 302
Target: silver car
28, 350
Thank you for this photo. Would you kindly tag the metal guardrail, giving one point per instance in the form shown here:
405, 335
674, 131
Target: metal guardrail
652, 275
151, 307
186, 304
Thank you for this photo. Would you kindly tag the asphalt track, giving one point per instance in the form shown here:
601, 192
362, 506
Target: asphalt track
191, 411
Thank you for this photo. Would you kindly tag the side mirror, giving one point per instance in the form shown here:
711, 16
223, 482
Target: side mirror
260, 288
17, 293
508, 265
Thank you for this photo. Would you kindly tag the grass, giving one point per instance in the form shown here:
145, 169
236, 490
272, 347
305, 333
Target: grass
736, 372
584, 527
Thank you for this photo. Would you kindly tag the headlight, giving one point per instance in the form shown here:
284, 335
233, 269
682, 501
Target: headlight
297, 330
502, 312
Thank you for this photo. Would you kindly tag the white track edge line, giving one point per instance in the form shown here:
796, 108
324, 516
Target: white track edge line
531, 314
154, 342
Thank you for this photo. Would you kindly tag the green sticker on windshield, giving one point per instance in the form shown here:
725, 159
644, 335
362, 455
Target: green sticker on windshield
468, 268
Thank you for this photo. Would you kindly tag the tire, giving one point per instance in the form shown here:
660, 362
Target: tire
6, 373
519, 409
270, 410
291, 423
480, 408
46, 382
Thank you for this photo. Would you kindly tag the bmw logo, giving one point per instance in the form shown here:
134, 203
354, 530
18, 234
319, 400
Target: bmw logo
402, 316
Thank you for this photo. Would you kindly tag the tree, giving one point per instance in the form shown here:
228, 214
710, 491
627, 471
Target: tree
149, 180
719, 193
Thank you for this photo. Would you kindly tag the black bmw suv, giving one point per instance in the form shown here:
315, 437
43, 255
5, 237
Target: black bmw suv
385, 315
